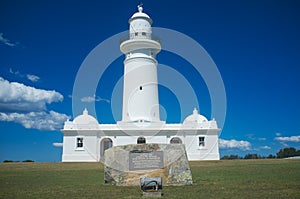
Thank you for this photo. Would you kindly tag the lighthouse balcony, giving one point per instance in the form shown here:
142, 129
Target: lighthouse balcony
129, 45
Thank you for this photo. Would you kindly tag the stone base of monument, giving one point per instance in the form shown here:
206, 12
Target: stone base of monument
125, 165
156, 194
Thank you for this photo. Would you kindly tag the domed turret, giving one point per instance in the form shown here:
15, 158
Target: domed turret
195, 118
85, 119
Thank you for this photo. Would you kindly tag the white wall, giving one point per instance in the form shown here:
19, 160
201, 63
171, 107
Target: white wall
92, 145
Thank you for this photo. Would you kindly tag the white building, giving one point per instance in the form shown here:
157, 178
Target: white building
85, 140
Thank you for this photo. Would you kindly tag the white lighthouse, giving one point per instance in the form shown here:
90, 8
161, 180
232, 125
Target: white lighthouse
140, 92
86, 139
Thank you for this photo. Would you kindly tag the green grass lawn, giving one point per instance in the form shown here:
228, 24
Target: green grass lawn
212, 179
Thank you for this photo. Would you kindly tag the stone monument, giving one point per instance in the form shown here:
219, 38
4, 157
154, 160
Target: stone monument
125, 165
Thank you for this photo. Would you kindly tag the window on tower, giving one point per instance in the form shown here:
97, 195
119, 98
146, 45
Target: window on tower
79, 142
141, 88
201, 141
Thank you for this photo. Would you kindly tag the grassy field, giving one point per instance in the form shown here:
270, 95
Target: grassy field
212, 179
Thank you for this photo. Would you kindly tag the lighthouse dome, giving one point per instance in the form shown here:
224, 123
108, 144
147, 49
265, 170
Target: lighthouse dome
140, 17
195, 118
140, 14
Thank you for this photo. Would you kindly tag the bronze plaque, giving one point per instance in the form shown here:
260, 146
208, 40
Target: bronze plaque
146, 160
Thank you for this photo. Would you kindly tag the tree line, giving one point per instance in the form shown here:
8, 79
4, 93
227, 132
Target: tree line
9, 161
282, 153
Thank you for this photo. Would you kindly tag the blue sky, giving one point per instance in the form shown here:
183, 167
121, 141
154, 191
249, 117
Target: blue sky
255, 45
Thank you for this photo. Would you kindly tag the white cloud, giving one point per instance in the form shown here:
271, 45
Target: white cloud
278, 134
30, 77
93, 99
17, 97
33, 78
88, 99
14, 72
265, 147
57, 144
27, 106
284, 144
231, 144
262, 139
6, 41
252, 137
289, 139
37, 120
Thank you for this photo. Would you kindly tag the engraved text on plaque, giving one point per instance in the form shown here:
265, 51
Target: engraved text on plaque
146, 160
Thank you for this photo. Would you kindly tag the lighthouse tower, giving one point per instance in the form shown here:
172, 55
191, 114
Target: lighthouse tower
140, 92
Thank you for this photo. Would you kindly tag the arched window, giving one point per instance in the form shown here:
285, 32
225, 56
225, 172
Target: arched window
175, 140
141, 140
106, 143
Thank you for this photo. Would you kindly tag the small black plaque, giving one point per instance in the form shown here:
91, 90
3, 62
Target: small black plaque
146, 160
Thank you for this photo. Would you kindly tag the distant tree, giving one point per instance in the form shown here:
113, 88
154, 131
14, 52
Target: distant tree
252, 156
287, 152
271, 156
28, 161
7, 161
225, 157
231, 157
